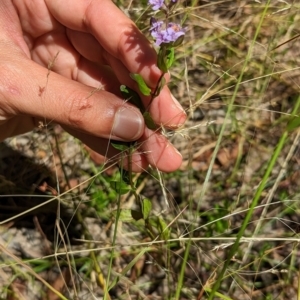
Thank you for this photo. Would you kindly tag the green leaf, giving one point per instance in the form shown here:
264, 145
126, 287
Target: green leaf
170, 57
136, 215
178, 41
120, 187
165, 58
144, 89
124, 89
40, 265
293, 123
122, 146
132, 96
161, 63
125, 175
163, 228
149, 121
124, 216
146, 208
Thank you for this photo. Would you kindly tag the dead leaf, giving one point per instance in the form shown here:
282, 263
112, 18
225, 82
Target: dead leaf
224, 157
59, 284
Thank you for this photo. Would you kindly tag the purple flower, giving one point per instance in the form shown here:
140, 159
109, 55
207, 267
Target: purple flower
174, 31
155, 25
165, 35
156, 4
159, 37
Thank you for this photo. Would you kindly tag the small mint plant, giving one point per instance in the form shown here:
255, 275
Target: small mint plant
167, 36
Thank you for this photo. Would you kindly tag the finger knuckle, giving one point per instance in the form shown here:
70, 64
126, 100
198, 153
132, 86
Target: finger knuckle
80, 109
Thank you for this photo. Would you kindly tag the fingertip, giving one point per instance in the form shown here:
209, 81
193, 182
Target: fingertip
160, 153
166, 110
172, 161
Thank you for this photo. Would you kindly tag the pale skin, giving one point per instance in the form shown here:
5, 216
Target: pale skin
91, 47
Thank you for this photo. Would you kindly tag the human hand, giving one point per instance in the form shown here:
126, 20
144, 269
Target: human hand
93, 47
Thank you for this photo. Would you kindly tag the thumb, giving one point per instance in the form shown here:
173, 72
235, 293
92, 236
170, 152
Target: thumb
30, 89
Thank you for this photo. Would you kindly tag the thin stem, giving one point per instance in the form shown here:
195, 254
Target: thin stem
156, 91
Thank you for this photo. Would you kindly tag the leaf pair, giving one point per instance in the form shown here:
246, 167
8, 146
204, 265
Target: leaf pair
134, 98
165, 58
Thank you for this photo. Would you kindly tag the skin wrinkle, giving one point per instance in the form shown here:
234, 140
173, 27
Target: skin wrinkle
9, 89
93, 53
89, 74
156, 157
38, 17
75, 71
78, 109
66, 57
82, 109
11, 33
85, 21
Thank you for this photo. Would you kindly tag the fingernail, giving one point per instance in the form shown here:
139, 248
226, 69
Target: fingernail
177, 104
128, 124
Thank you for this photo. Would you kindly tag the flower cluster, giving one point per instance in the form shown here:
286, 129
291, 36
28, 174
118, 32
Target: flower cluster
156, 4
163, 32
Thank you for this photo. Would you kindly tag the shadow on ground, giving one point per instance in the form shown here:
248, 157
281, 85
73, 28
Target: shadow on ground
24, 186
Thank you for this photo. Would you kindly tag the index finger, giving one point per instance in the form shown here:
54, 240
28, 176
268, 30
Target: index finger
116, 33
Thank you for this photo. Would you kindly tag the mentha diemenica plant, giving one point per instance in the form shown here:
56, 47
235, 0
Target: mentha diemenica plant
166, 37
165, 33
